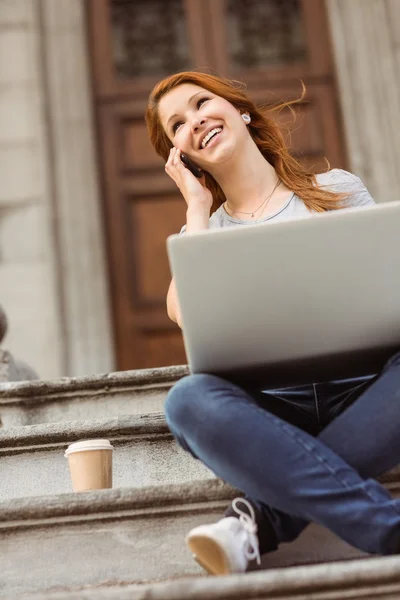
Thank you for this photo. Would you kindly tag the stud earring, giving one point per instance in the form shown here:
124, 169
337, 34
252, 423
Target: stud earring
246, 118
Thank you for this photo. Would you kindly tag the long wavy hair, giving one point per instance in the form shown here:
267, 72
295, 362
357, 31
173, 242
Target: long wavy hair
265, 132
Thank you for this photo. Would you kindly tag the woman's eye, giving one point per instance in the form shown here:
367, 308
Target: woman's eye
198, 104
176, 125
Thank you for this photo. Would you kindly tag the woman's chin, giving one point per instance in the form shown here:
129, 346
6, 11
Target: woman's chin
221, 157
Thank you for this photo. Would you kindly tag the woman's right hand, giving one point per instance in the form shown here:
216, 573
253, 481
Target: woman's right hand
192, 189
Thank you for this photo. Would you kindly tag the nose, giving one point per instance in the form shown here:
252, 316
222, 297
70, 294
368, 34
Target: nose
197, 124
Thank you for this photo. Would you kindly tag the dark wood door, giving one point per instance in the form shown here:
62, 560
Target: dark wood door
270, 44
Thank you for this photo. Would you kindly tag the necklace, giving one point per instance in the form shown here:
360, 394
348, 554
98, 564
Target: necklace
252, 213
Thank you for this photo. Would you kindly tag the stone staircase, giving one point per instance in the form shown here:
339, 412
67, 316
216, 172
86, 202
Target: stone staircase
128, 542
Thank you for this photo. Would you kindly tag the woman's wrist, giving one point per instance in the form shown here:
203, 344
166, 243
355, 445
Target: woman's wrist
197, 217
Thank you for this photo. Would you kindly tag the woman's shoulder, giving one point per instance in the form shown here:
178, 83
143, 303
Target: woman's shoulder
337, 177
341, 181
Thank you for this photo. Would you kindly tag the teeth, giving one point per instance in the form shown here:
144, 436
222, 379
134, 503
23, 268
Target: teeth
210, 135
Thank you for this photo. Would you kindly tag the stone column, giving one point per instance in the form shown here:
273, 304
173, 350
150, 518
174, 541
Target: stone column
77, 206
28, 285
366, 45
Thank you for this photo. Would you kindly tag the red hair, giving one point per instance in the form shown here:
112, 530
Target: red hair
264, 130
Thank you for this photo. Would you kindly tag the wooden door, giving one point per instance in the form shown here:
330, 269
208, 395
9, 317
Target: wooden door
270, 44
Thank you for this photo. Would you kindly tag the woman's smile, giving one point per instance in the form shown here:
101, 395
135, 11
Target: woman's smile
212, 138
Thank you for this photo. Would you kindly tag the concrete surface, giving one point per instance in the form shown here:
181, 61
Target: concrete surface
32, 461
91, 397
103, 537
372, 579
123, 537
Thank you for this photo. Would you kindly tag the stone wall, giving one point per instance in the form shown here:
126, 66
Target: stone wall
28, 286
53, 276
366, 45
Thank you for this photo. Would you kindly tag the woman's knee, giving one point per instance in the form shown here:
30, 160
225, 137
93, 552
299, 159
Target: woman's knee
190, 401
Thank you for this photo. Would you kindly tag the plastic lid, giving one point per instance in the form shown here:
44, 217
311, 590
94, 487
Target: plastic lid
99, 444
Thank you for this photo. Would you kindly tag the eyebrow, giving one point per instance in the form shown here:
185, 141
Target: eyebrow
189, 101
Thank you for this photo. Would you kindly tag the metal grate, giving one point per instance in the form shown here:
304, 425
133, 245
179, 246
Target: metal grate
149, 37
265, 33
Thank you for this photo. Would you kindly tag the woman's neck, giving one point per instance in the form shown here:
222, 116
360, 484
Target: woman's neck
246, 182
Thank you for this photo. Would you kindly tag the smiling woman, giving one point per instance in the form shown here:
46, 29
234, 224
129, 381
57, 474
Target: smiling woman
175, 105
249, 173
299, 454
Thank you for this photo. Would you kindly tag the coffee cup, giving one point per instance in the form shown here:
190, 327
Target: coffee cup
90, 464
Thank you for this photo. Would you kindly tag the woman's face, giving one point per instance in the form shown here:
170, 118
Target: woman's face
188, 114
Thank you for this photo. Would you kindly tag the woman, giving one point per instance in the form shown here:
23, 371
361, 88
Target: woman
303, 454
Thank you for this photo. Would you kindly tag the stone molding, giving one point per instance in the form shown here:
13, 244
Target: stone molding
30, 438
66, 387
82, 270
108, 504
82, 398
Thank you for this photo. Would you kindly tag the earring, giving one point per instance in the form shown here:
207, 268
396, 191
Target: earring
246, 118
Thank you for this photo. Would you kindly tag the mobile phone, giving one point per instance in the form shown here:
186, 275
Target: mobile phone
189, 164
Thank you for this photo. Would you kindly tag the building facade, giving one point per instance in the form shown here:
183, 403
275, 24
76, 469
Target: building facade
85, 205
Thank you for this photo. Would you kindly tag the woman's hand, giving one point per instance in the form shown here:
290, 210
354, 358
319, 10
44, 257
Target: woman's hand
192, 189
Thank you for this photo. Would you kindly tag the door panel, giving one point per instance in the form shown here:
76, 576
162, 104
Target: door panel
142, 209
270, 44
273, 46
137, 42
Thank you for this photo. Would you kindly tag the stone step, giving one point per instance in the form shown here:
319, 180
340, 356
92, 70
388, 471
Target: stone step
367, 579
32, 459
84, 398
123, 537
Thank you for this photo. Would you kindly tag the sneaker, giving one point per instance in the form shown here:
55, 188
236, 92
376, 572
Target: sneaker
226, 546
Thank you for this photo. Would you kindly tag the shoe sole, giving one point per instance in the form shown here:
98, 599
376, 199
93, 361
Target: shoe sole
209, 555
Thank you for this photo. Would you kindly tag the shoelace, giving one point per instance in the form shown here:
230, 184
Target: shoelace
249, 523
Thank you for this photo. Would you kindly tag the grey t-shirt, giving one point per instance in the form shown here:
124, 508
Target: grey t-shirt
336, 180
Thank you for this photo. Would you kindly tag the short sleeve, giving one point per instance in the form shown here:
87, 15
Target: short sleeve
342, 181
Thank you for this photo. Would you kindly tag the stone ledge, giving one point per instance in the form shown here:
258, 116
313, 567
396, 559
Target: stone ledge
103, 504
91, 397
53, 434
372, 578
66, 386
32, 459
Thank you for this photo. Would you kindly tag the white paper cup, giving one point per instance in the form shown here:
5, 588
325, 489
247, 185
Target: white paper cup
90, 464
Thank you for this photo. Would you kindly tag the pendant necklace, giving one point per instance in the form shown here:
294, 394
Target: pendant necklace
252, 213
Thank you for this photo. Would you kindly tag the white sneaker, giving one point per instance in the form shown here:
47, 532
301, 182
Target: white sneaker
226, 546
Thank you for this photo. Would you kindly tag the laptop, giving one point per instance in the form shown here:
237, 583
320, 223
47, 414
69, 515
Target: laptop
292, 302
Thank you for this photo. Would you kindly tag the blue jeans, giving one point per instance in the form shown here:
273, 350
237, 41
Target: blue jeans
303, 454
